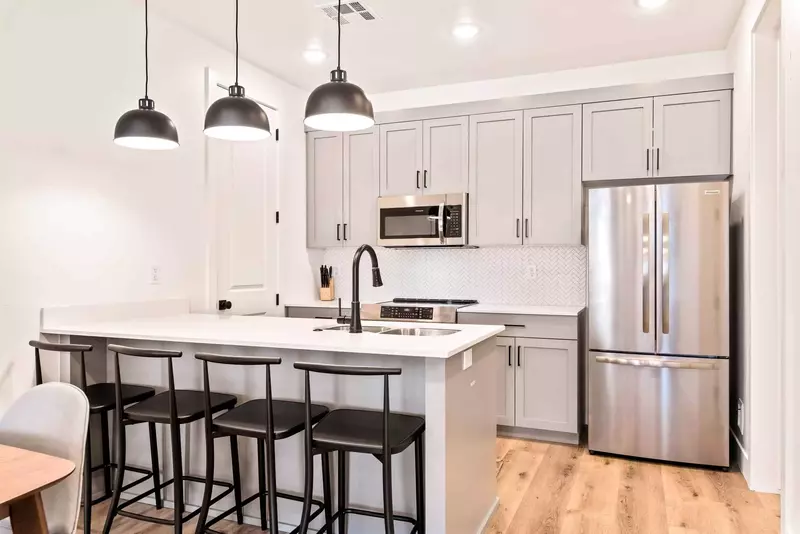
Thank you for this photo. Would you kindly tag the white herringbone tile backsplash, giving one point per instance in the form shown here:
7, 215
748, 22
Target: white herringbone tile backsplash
543, 276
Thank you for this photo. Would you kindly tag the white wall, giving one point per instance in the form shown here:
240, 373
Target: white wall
84, 220
632, 72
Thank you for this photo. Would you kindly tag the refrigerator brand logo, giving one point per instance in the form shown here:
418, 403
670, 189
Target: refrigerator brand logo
712, 191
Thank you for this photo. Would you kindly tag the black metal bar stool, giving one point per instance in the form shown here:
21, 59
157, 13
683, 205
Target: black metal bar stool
174, 408
101, 401
267, 421
379, 433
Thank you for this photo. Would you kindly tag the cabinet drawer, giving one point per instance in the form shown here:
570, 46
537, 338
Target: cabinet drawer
300, 312
538, 326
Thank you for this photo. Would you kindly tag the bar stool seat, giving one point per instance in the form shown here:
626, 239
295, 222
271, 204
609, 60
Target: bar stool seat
102, 396
189, 402
288, 418
362, 431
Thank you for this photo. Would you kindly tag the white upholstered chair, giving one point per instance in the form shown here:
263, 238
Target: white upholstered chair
52, 419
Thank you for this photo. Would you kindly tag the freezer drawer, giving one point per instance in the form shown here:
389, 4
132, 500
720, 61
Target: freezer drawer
672, 409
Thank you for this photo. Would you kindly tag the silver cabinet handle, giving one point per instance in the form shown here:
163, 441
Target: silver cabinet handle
658, 364
665, 273
646, 273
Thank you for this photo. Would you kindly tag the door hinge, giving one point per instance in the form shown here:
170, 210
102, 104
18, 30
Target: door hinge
277, 134
277, 299
277, 217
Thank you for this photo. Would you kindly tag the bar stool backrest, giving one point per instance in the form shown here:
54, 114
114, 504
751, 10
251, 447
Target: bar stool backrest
145, 353
59, 347
347, 370
266, 361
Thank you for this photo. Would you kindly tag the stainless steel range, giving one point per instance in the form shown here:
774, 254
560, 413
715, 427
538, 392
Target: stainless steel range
415, 310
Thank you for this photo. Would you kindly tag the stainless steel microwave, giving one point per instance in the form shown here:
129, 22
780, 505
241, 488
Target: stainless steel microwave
423, 221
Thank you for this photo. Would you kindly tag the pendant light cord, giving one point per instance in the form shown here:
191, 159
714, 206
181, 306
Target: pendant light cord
339, 39
237, 43
146, 57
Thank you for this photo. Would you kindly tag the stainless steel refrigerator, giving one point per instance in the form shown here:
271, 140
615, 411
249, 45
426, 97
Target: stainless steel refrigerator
659, 322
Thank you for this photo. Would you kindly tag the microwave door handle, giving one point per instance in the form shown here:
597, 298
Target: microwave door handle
441, 223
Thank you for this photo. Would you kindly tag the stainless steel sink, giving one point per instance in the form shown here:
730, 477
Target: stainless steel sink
346, 328
422, 332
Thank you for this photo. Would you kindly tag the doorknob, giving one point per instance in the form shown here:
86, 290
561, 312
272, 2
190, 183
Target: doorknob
225, 305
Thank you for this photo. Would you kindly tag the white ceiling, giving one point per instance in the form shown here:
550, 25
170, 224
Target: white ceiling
411, 44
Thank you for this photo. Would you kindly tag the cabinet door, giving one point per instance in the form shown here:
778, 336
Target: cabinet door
495, 179
401, 159
445, 156
361, 187
617, 140
552, 186
547, 384
505, 381
693, 134
325, 189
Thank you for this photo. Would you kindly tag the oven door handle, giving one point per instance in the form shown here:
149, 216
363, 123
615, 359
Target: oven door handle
441, 223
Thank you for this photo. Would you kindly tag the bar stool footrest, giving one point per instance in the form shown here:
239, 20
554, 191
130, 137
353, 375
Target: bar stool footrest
328, 527
148, 475
297, 498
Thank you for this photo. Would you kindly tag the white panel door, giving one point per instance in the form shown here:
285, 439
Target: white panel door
401, 159
324, 167
547, 385
445, 156
495, 179
361, 153
505, 380
618, 140
244, 180
552, 185
693, 134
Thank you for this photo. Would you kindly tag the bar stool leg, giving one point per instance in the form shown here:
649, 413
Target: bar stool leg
342, 490
262, 483
177, 468
419, 461
203, 516
106, 437
326, 491
87, 484
388, 512
118, 478
237, 482
155, 465
272, 486
308, 491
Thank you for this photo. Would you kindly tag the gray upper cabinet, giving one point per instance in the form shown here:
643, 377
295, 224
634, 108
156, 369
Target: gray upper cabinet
324, 189
552, 183
495, 178
617, 140
692, 134
547, 385
361, 187
445, 155
505, 380
401, 159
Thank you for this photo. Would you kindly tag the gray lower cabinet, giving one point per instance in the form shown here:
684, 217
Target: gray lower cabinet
506, 349
546, 385
342, 188
311, 312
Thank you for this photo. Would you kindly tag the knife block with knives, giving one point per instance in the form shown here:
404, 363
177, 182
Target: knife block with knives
327, 290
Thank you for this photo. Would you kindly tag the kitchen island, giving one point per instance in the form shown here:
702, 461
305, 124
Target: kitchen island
447, 378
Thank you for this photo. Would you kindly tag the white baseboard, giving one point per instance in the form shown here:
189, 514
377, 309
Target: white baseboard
489, 515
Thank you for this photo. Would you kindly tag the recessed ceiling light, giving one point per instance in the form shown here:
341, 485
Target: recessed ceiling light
465, 31
651, 4
315, 56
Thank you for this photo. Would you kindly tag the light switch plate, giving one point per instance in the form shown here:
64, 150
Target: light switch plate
467, 359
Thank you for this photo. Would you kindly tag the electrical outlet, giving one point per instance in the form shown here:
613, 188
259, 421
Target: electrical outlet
531, 272
155, 275
740, 416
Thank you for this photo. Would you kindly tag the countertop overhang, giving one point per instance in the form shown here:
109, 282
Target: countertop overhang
280, 333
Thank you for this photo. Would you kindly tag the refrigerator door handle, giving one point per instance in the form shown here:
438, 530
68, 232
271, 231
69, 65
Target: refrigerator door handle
665, 273
646, 273
659, 364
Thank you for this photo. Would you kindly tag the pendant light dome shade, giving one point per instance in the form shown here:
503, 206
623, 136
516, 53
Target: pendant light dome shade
146, 128
339, 106
237, 118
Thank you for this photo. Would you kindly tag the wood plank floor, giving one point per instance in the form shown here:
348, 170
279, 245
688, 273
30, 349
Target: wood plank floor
559, 489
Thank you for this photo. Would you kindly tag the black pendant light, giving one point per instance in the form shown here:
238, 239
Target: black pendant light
236, 117
339, 106
145, 127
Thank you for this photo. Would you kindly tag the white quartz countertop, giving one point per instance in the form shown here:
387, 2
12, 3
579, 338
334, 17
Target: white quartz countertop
281, 333
521, 309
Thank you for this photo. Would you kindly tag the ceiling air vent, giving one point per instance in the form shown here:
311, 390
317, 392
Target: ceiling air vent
351, 12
